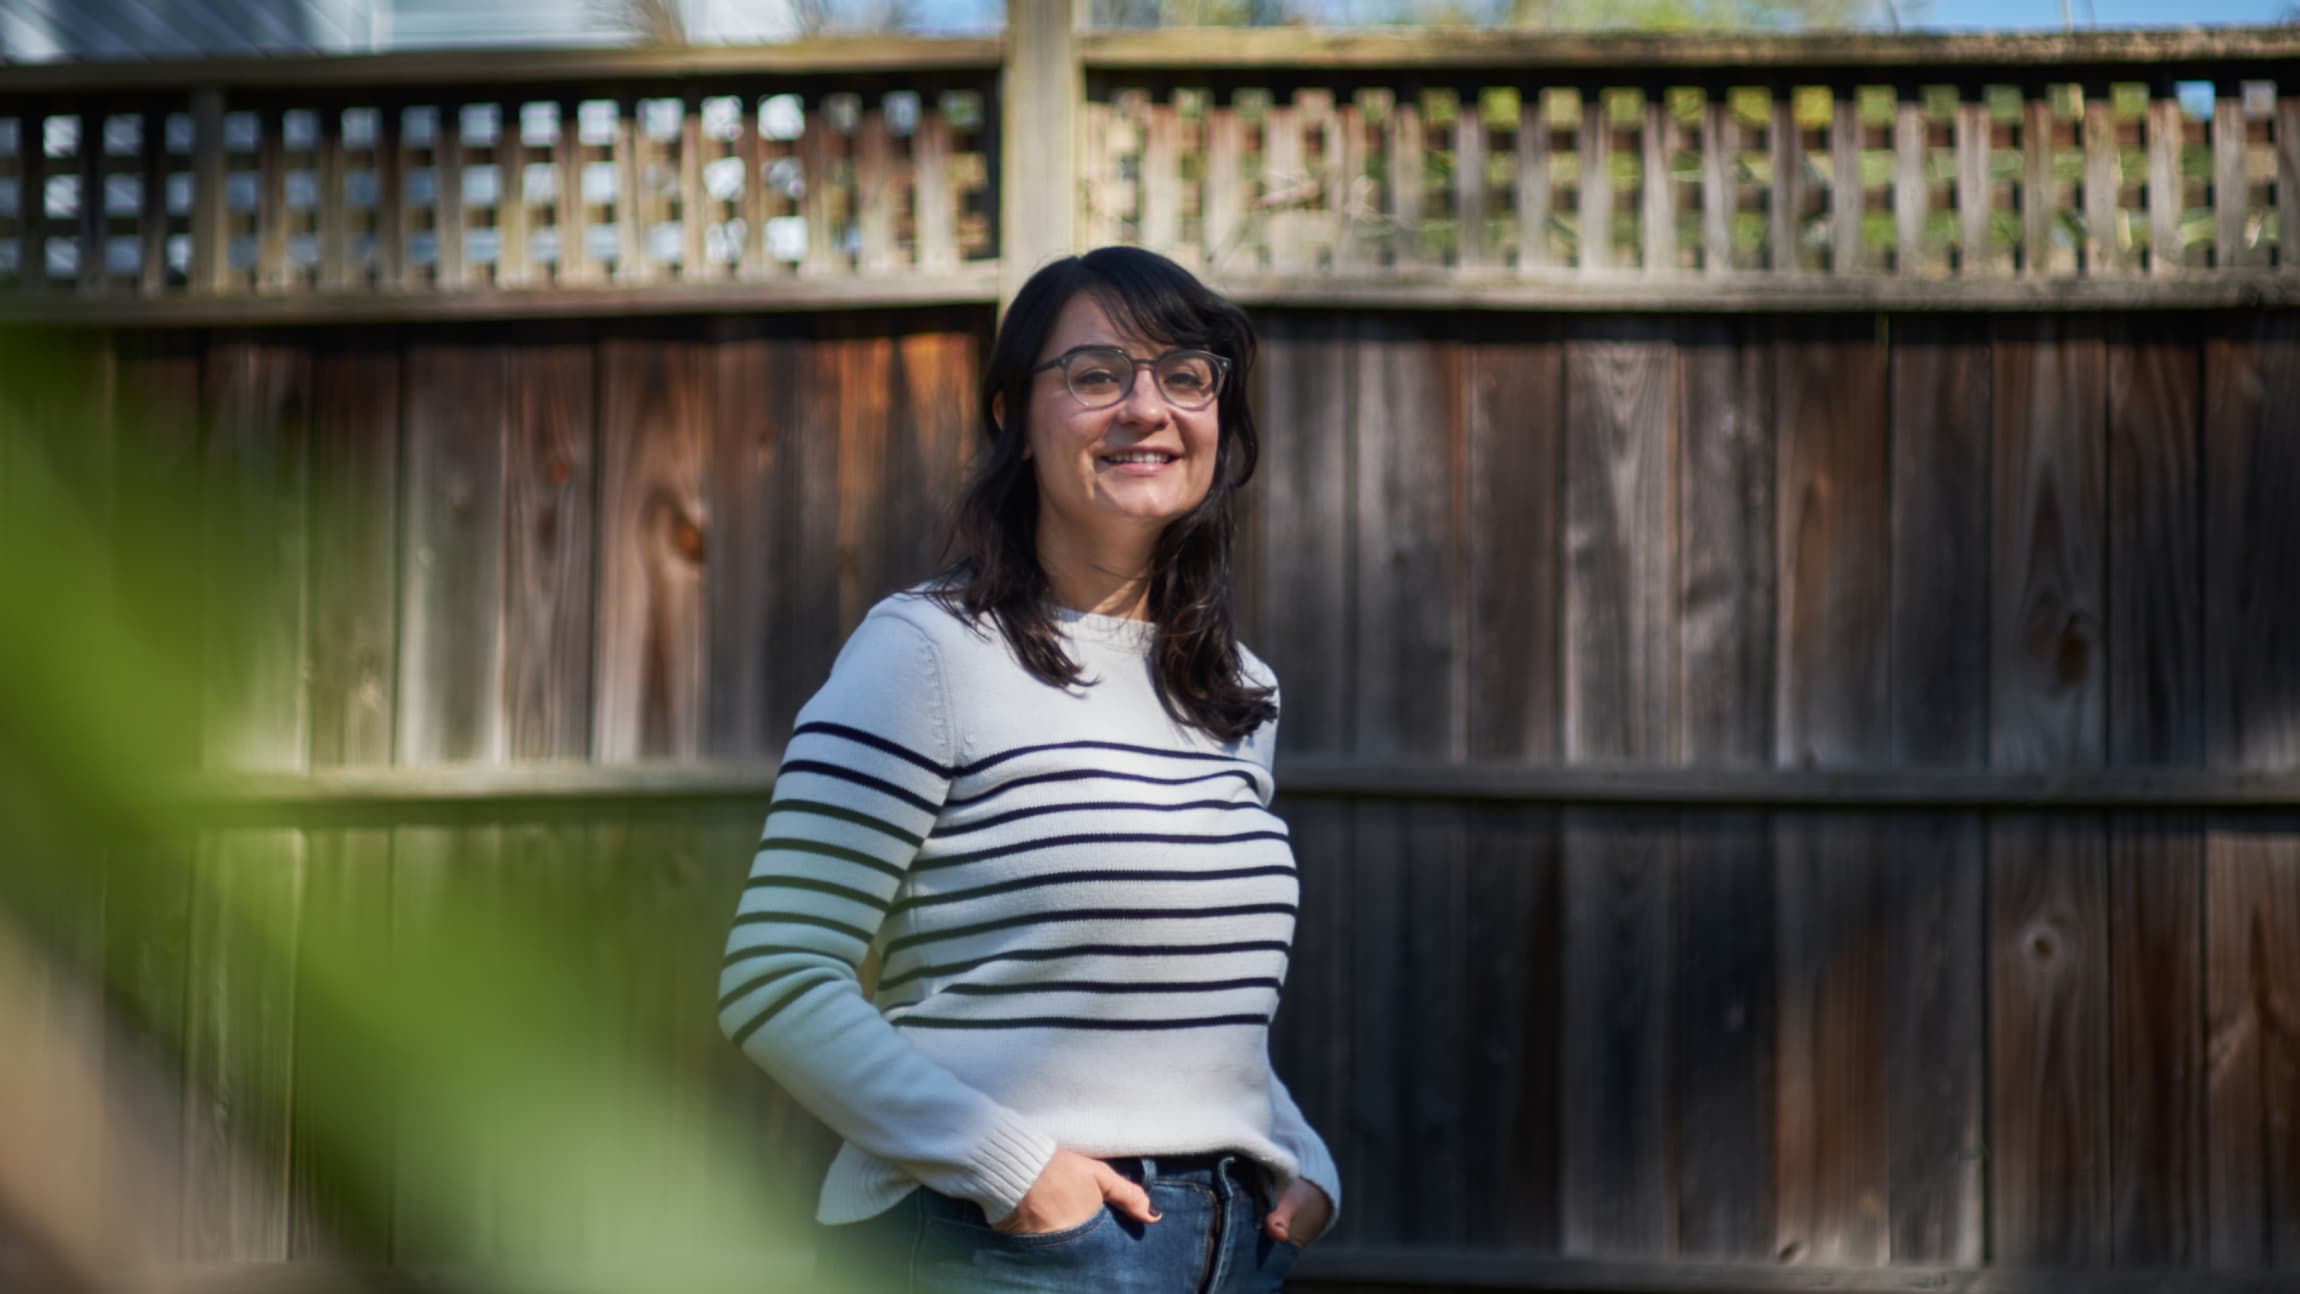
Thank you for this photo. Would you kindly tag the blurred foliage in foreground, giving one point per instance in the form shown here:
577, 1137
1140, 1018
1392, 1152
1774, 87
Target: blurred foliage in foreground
396, 1040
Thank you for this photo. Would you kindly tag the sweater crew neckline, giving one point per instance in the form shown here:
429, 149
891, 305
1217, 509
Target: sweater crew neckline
1135, 636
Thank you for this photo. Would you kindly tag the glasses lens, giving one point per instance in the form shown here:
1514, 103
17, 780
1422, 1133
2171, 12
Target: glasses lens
1189, 378
1100, 376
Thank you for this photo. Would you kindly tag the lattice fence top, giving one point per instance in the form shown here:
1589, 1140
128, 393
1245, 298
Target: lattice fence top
1853, 171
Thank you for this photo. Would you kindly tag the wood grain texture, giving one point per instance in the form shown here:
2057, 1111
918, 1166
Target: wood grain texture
1832, 1168
1725, 565
654, 535
2049, 1021
2252, 1075
355, 431
1936, 1082
1722, 1037
1832, 530
864, 571
1511, 944
1621, 429
1307, 490
1378, 1147
2251, 618
451, 557
1941, 421
2047, 679
1515, 498
2154, 633
550, 480
1620, 892
1410, 541
2159, 1210
754, 396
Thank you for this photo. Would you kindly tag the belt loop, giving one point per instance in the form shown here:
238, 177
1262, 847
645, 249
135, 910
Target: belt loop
1149, 1168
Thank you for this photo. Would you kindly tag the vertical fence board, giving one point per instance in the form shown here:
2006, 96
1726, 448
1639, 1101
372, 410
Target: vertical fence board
650, 689
1940, 672
874, 195
1469, 202
451, 582
1720, 137
448, 213
1223, 207
2038, 203
1621, 429
1533, 184
931, 192
211, 238
1620, 890
1726, 544
2049, 1025
752, 437
549, 481
1831, 709
2155, 691
1657, 190
2230, 192
1846, 255
1911, 195
1723, 1033
863, 414
1512, 944
511, 202
1411, 450
355, 430
1620, 638
2103, 246
2252, 638
2046, 695
1595, 162
248, 883
1406, 162
271, 203
1972, 188
2164, 185
1307, 495
1515, 493
152, 205
1785, 195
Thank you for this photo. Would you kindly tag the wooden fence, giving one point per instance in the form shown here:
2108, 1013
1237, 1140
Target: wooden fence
1796, 766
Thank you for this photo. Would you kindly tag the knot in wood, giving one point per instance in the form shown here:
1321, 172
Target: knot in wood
558, 469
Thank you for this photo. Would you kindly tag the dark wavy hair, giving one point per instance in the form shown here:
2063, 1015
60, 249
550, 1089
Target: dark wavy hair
994, 575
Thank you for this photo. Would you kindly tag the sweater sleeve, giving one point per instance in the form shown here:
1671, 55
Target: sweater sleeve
1294, 1135
866, 770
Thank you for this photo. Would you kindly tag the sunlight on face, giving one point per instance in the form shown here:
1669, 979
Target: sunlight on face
1118, 474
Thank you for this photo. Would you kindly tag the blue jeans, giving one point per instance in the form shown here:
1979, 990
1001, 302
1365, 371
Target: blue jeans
1210, 1241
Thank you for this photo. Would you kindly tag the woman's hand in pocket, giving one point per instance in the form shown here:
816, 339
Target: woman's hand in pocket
1070, 1190
1301, 1214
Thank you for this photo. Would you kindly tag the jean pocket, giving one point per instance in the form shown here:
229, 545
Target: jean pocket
965, 1216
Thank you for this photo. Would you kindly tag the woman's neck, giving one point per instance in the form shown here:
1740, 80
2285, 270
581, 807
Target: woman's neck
1101, 574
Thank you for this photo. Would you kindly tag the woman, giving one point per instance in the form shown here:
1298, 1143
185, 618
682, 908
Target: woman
1039, 786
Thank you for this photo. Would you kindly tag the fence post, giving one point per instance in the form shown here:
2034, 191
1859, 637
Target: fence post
1041, 88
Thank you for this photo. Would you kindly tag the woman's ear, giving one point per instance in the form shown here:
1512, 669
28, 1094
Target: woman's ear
998, 418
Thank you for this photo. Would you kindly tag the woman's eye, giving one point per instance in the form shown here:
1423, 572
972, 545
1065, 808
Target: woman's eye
1096, 377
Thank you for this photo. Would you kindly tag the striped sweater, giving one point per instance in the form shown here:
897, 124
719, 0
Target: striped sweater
1084, 912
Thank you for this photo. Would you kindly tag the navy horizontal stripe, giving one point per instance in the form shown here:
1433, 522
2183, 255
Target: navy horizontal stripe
1074, 1022
811, 885
1112, 986
1088, 774
875, 742
760, 981
774, 1009
1087, 877
735, 955
845, 774
1067, 951
992, 761
1093, 838
1089, 914
802, 919
1095, 806
844, 814
802, 845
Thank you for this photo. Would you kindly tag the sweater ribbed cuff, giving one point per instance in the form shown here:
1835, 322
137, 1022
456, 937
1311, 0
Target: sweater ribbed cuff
1316, 1166
1006, 1162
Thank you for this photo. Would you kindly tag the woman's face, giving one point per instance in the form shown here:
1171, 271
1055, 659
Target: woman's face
1124, 471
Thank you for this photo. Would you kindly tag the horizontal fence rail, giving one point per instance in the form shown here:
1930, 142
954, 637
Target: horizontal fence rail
1963, 172
628, 181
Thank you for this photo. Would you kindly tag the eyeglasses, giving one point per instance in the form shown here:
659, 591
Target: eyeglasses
1101, 376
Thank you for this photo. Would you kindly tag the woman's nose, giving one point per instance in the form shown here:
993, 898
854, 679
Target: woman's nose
1144, 403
